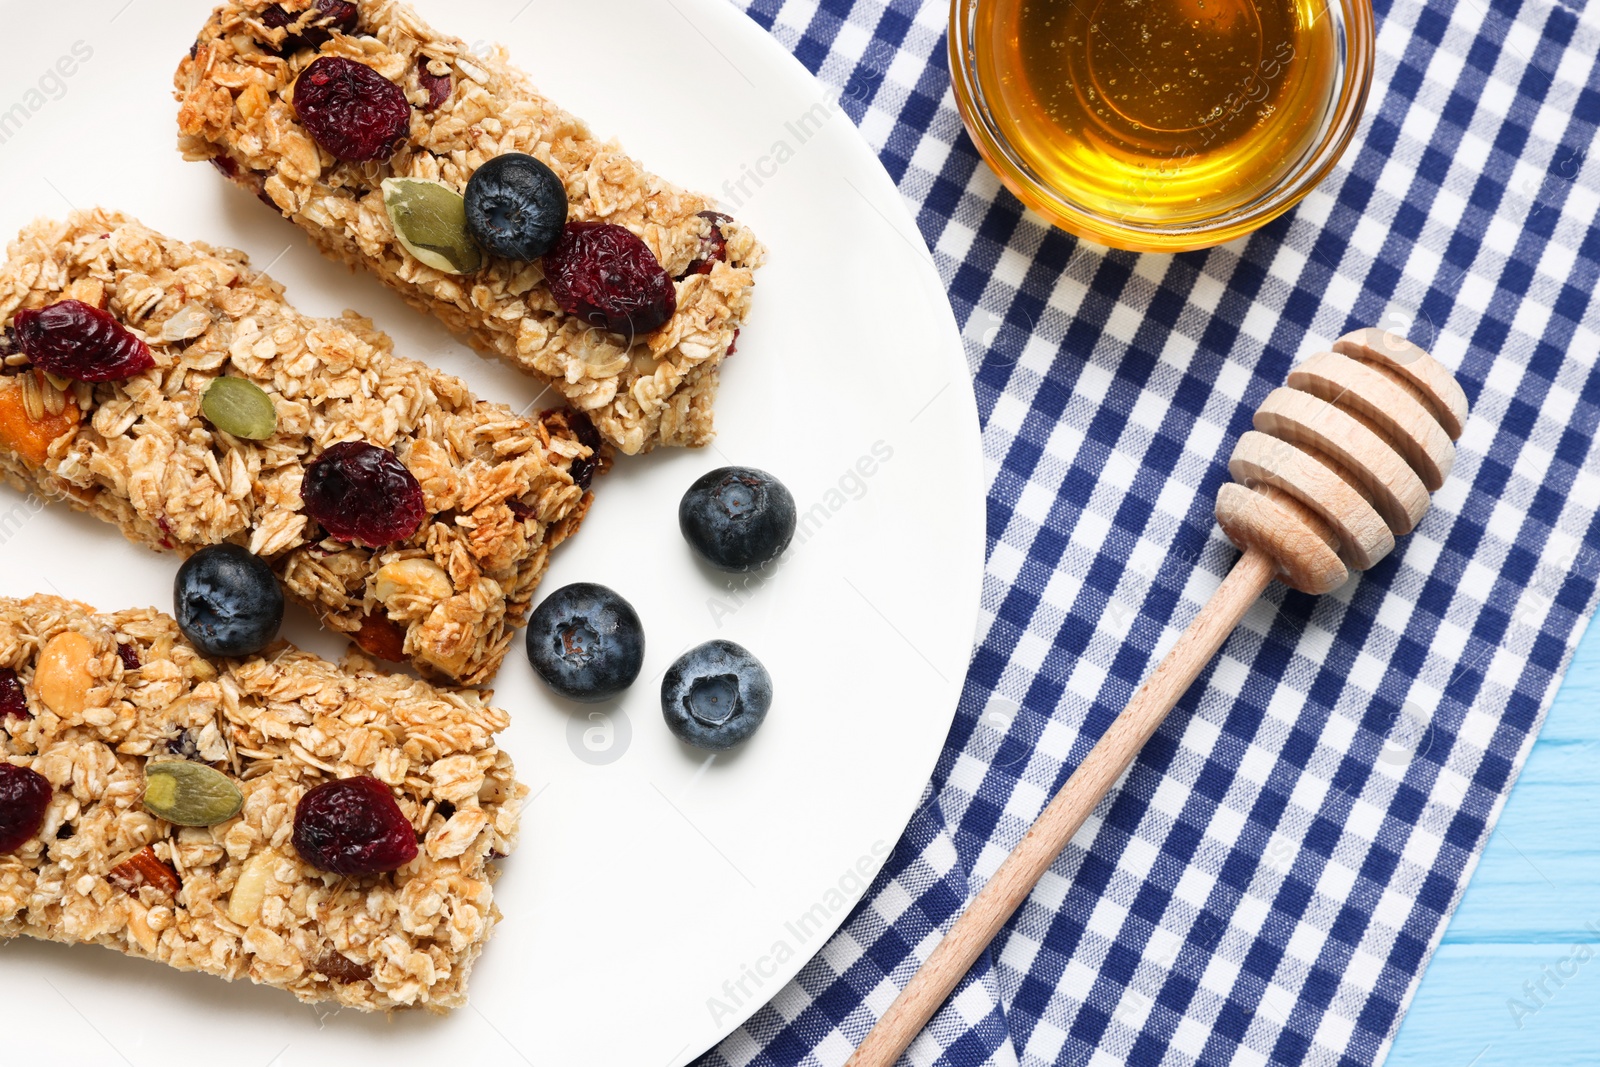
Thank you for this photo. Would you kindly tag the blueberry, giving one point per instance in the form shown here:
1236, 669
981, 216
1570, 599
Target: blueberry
516, 206
227, 601
586, 642
737, 518
715, 695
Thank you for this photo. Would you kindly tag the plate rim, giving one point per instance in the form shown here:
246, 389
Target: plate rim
783, 80
887, 199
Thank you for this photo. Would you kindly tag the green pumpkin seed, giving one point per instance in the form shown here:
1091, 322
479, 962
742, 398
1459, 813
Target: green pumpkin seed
240, 407
190, 794
430, 218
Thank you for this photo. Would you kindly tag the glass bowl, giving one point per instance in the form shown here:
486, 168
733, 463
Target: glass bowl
1352, 38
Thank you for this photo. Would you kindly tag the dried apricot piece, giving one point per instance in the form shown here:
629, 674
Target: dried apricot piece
30, 433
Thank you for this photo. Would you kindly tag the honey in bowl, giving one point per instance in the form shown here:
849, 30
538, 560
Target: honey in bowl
1158, 111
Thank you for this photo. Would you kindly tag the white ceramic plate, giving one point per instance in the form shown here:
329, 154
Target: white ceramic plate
658, 897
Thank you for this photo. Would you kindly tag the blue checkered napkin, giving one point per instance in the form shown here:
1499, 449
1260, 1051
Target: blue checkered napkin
1269, 882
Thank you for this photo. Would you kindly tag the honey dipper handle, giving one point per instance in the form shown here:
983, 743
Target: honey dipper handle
1050, 832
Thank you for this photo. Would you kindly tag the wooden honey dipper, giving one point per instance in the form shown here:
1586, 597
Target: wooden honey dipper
1340, 462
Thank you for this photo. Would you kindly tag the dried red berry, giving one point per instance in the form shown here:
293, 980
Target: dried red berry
129, 656
713, 246
24, 796
608, 277
314, 26
363, 493
351, 110
13, 701
353, 826
438, 85
582, 469
71, 339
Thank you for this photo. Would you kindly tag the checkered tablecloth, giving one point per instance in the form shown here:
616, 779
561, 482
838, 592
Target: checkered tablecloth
1268, 884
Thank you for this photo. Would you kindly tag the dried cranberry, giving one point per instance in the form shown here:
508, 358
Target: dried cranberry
353, 826
733, 345
438, 85
608, 277
713, 246
520, 511
315, 24
583, 429
24, 796
363, 493
226, 167
13, 701
582, 469
71, 339
129, 656
351, 110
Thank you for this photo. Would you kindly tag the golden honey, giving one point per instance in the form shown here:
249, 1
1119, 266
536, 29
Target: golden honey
1158, 112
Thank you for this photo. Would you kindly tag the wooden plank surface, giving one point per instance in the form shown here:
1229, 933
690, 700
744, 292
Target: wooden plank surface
1516, 979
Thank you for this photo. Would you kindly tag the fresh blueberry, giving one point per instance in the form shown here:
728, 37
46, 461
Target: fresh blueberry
737, 518
227, 601
715, 695
586, 642
516, 206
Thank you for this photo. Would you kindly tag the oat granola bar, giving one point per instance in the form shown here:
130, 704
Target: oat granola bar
498, 491
89, 701
236, 93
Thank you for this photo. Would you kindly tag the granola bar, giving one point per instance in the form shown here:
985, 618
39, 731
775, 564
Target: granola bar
105, 695
500, 491
235, 88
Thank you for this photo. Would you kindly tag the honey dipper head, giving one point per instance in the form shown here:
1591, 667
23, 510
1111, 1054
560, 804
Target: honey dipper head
1342, 459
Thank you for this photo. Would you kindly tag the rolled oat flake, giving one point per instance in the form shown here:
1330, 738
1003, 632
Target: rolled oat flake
190, 794
430, 219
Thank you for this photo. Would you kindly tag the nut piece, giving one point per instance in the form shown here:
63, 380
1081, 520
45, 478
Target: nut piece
62, 679
141, 869
244, 903
341, 968
190, 794
418, 578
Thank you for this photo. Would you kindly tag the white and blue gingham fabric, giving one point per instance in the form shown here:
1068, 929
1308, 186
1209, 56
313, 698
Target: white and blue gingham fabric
1268, 884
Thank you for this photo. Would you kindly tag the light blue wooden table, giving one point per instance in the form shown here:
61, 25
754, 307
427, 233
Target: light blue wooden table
1528, 929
